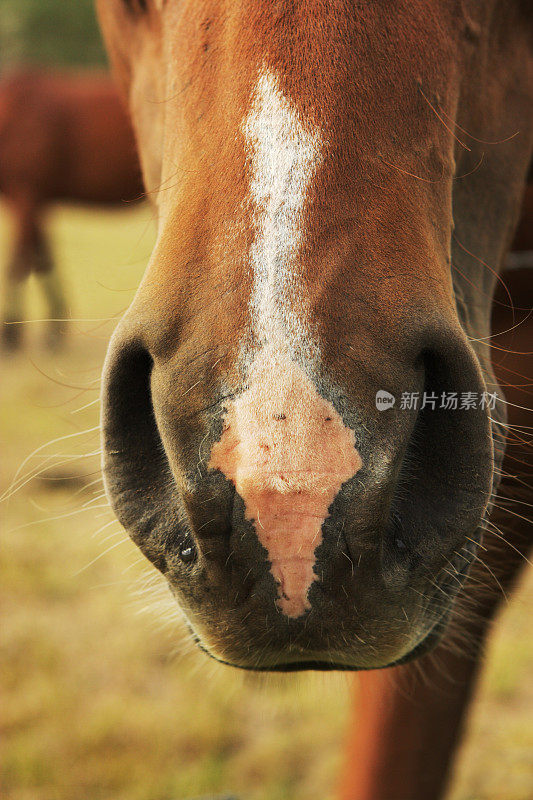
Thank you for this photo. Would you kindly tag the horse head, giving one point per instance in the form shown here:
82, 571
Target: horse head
301, 424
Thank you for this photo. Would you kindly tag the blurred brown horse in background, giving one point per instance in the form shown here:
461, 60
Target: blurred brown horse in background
63, 137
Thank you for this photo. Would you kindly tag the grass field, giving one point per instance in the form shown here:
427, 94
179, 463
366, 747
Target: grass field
102, 696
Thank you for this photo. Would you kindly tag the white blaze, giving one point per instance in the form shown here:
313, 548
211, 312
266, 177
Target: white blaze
284, 156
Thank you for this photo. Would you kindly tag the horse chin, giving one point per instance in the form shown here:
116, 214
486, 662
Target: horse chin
302, 659
429, 641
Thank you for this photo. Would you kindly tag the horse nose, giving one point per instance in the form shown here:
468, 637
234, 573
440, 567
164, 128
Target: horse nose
303, 501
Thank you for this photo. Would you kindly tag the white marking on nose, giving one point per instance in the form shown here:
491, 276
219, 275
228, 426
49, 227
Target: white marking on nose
284, 446
284, 157
288, 453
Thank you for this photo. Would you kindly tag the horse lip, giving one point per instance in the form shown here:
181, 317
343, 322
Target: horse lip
311, 665
318, 664
431, 638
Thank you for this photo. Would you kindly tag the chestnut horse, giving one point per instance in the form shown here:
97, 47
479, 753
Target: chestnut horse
302, 427
62, 138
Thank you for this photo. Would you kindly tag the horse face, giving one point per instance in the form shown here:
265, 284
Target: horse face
297, 408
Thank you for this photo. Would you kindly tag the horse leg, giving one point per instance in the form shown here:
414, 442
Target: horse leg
18, 270
13, 312
408, 720
53, 292
31, 254
42, 265
405, 730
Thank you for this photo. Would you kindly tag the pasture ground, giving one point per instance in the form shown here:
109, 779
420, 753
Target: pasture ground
102, 696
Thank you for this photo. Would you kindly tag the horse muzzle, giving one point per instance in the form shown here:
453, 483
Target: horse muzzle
302, 522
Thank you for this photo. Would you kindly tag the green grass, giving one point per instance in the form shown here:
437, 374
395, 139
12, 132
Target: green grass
103, 696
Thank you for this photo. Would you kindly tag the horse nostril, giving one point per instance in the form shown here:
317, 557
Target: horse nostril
187, 553
445, 477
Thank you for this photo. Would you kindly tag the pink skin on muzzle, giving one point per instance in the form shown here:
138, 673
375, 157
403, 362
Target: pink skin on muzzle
288, 453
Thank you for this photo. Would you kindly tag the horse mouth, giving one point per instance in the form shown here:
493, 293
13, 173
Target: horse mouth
311, 663
429, 641
451, 584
